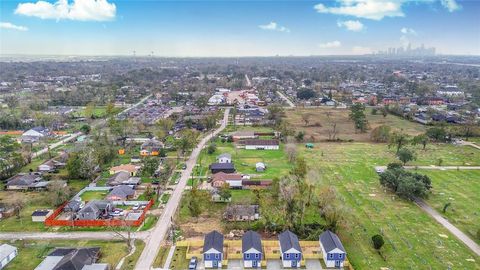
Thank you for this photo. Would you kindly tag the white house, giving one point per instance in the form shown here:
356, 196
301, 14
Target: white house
224, 158
7, 254
262, 145
260, 167
332, 249
41, 215
291, 252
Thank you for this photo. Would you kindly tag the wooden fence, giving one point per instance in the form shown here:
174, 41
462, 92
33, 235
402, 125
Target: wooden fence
52, 221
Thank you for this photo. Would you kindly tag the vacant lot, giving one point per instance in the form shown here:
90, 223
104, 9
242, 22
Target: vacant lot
413, 240
93, 195
462, 190
322, 119
31, 253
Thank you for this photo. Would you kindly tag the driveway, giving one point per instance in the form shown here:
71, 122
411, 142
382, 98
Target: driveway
313, 264
274, 265
235, 265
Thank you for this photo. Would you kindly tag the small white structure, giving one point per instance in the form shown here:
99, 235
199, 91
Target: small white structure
260, 167
216, 100
224, 158
7, 254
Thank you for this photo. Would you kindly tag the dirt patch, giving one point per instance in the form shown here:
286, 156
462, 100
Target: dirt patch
203, 226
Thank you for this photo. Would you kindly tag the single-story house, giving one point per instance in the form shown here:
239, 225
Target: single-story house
241, 212
224, 158
41, 215
123, 178
291, 252
217, 198
94, 210
151, 148
213, 250
334, 253
73, 258
262, 144
7, 254
260, 167
130, 168
29, 181
222, 167
234, 180
34, 135
120, 193
252, 250
74, 205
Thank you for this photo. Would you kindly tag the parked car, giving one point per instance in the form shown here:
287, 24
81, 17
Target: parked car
193, 263
136, 207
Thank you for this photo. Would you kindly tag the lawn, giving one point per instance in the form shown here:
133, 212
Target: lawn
33, 201
413, 239
462, 190
245, 161
93, 195
130, 261
320, 123
161, 257
179, 260
31, 253
149, 222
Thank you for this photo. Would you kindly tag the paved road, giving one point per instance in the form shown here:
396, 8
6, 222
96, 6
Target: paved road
160, 230
71, 235
55, 145
449, 226
470, 144
289, 102
249, 83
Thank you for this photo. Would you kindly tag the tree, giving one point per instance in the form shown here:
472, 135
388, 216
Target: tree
306, 93
444, 210
377, 241
384, 111
420, 139
58, 193
437, 134
224, 192
149, 192
300, 136
149, 166
275, 114
398, 139
194, 202
291, 150
405, 184
300, 169
164, 125
186, 141
89, 110
110, 109
405, 155
212, 147
357, 115
306, 118
85, 129
380, 134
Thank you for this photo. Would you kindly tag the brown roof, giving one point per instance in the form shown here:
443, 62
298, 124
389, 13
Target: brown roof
261, 142
125, 167
221, 176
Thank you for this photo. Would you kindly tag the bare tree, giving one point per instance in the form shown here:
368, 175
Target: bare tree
291, 150
306, 118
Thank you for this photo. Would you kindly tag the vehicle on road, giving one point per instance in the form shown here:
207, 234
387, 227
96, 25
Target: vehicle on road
193, 263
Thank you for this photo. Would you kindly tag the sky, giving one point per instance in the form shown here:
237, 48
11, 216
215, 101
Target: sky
236, 28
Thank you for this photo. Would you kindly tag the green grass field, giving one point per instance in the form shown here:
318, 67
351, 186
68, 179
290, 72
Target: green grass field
462, 190
93, 195
31, 253
413, 239
245, 161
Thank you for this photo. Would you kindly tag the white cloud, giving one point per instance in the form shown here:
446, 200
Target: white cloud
368, 9
355, 26
79, 10
273, 26
361, 50
332, 44
408, 31
451, 5
7, 25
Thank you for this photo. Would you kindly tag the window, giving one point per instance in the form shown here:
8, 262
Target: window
207, 256
257, 256
217, 256
340, 256
247, 256
297, 256
330, 255
287, 256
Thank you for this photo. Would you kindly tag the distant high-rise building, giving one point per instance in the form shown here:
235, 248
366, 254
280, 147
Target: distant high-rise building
409, 51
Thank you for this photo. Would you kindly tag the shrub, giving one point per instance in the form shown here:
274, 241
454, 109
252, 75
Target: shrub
377, 241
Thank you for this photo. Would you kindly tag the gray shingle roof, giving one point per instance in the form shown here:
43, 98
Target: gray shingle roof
330, 241
221, 166
289, 240
213, 240
250, 240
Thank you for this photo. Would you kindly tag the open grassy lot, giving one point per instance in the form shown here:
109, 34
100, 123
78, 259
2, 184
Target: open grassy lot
179, 262
345, 128
462, 190
245, 160
32, 201
413, 240
31, 253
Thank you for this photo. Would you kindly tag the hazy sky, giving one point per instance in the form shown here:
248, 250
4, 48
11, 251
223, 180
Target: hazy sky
236, 28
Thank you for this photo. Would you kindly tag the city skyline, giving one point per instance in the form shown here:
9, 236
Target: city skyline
238, 28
